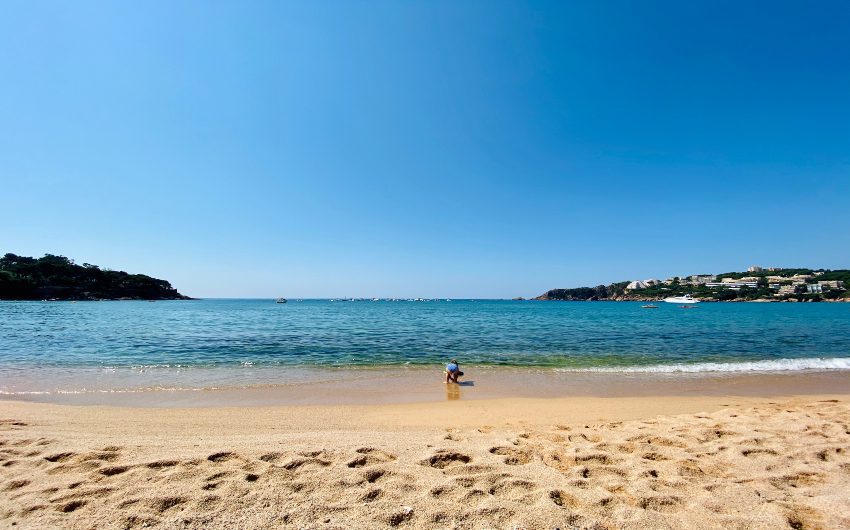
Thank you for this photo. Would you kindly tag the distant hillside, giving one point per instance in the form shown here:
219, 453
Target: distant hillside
600, 292
780, 285
59, 278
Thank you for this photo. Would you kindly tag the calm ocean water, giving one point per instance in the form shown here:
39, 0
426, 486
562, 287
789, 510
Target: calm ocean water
108, 346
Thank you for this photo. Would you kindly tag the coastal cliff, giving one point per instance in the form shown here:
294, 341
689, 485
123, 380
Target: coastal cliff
59, 278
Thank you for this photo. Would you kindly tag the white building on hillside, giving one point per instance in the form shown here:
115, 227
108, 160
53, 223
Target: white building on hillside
734, 285
642, 284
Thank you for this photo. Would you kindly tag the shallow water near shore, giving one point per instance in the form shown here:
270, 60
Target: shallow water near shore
104, 350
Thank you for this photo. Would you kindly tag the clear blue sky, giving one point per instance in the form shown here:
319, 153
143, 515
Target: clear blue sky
460, 149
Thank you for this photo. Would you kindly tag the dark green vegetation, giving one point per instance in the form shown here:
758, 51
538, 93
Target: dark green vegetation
600, 292
786, 273
59, 278
679, 287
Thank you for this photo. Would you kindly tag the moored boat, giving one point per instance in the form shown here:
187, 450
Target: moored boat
686, 299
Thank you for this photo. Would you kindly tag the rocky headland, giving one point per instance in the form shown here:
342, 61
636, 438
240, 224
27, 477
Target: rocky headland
59, 278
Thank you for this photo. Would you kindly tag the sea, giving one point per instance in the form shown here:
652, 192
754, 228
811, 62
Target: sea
56, 348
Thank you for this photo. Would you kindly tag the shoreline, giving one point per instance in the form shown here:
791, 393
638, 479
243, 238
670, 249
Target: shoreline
400, 385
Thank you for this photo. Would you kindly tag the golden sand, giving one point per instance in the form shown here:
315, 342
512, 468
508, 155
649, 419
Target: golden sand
647, 462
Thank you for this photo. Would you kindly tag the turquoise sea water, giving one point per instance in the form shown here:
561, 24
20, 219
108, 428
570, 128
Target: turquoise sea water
63, 346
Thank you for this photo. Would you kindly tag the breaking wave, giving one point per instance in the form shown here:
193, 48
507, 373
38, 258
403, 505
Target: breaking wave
774, 365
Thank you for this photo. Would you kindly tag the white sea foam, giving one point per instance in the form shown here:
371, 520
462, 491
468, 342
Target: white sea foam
776, 365
60, 391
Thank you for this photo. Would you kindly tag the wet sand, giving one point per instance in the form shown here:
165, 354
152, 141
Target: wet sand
714, 456
415, 385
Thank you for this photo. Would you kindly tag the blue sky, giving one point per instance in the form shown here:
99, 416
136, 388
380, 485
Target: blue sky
460, 149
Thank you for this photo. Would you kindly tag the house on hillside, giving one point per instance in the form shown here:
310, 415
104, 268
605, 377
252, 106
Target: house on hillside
635, 285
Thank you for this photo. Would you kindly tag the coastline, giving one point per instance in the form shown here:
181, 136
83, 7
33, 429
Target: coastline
701, 461
406, 384
702, 301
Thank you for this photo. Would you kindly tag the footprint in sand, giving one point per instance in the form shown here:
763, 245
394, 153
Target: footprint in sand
371, 495
161, 464
102, 456
797, 480
293, 464
502, 487
444, 459
370, 456
15, 484
162, 504
563, 499
400, 517
59, 457
443, 490
138, 521
372, 475
828, 454
598, 458
757, 452
664, 503
72, 506
114, 470
223, 456
513, 457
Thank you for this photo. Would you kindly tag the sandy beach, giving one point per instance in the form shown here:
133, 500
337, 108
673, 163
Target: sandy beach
706, 461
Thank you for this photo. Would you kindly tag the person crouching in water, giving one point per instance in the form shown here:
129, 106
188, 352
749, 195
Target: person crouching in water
453, 371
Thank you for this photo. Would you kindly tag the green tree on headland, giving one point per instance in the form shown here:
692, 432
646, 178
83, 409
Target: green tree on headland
59, 278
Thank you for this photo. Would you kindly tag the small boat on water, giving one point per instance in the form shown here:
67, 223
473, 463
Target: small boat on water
650, 306
686, 299
281, 300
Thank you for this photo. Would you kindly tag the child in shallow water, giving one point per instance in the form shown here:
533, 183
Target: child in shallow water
453, 371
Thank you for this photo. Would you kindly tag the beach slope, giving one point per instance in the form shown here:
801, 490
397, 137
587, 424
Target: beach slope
699, 462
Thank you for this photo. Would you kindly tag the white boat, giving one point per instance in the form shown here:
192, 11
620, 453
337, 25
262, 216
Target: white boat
281, 300
687, 299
